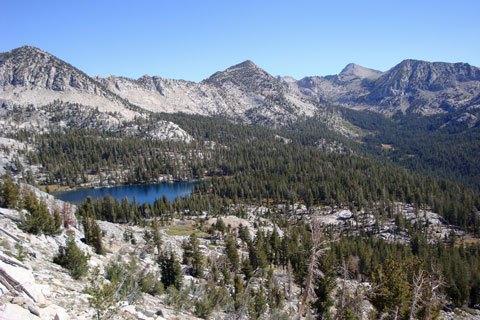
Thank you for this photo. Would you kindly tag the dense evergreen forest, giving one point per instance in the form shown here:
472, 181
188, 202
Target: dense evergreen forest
438, 145
69, 157
250, 164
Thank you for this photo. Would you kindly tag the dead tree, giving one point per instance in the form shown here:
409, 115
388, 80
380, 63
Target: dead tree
289, 279
68, 215
344, 294
319, 248
434, 296
418, 287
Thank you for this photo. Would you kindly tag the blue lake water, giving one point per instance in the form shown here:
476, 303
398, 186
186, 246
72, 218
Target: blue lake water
142, 193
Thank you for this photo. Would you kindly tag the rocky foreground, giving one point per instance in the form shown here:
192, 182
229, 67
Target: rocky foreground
33, 287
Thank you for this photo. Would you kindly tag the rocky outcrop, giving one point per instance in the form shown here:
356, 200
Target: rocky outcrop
255, 94
342, 88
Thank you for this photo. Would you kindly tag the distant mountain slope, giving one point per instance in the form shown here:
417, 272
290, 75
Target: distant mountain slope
425, 87
166, 95
411, 86
249, 89
342, 88
243, 92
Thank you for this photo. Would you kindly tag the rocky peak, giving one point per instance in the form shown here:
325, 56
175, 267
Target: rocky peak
287, 79
31, 67
50, 79
247, 76
245, 64
353, 70
25, 52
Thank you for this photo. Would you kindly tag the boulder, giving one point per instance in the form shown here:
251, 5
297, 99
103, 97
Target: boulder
15, 312
54, 312
148, 313
61, 315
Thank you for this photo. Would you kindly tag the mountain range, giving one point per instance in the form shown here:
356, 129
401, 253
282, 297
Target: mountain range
244, 92
411, 86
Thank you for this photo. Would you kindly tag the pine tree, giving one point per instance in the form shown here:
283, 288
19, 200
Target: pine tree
171, 271
259, 305
232, 253
192, 256
324, 286
247, 269
9, 193
38, 219
394, 291
238, 285
257, 252
93, 233
72, 258
157, 237
96, 238
103, 295
91, 229
220, 225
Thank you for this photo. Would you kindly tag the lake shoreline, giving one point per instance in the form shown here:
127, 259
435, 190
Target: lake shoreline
141, 192
64, 189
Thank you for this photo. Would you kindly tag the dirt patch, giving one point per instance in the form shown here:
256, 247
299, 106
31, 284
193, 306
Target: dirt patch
387, 147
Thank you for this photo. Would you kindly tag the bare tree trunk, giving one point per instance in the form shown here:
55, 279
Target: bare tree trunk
14, 284
289, 279
343, 298
308, 283
395, 314
435, 282
239, 313
418, 281
8, 260
318, 249
10, 235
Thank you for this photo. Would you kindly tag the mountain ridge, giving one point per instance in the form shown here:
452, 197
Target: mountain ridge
243, 92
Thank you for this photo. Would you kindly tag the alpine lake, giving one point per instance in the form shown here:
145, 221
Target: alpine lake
142, 193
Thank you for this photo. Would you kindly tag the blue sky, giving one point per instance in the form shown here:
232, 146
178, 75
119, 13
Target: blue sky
193, 39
